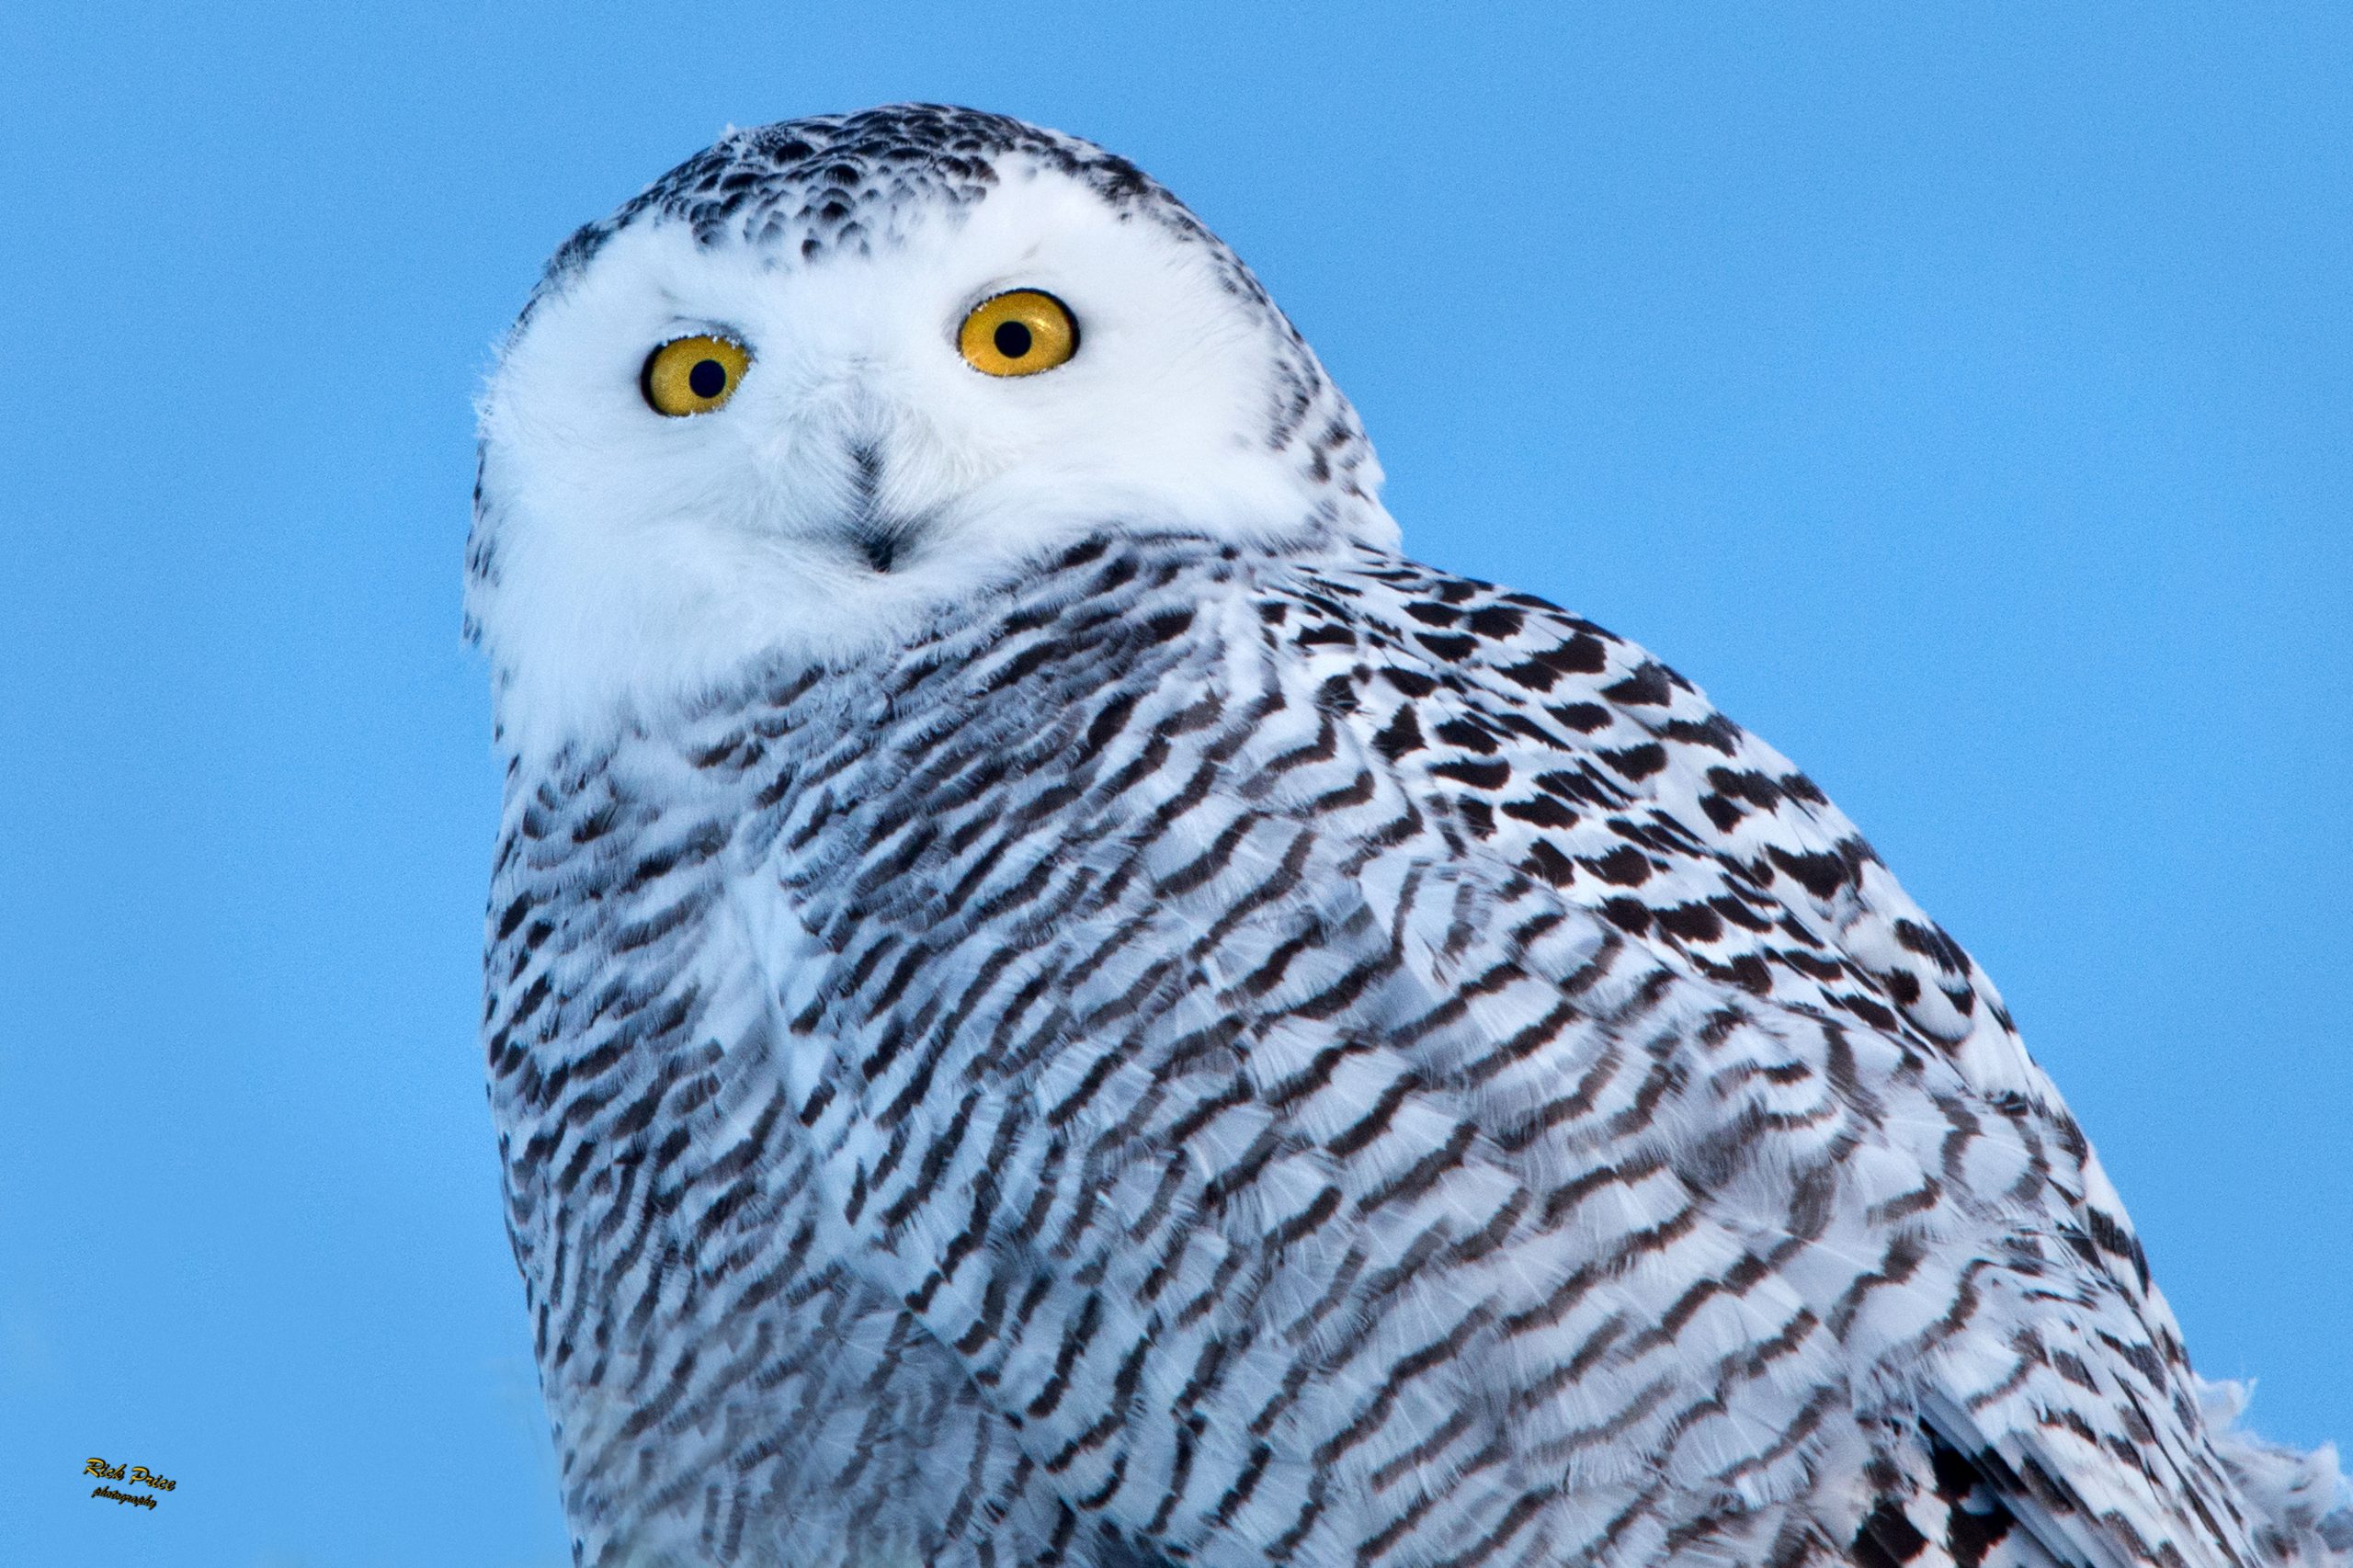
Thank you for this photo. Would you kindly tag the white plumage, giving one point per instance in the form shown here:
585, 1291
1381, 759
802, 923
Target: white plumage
1053, 999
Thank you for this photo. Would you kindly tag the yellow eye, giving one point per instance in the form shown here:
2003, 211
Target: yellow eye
693, 375
1019, 333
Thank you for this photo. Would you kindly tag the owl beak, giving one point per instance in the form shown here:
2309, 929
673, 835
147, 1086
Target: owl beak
878, 545
877, 534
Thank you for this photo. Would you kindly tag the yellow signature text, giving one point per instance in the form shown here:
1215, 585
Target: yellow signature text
140, 1475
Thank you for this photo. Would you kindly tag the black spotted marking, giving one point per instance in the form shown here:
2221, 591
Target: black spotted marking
1690, 922
1625, 867
1637, 762
1542, 811
1722, 812
1648, 687
1496, 620
1413, 683
1532, 674
1887, 1538
1550, 864
1478, 775
1401, 735
1468, 735
1585, 718
1822, 875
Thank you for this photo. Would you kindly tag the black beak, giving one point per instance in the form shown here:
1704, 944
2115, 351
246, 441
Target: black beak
877, 536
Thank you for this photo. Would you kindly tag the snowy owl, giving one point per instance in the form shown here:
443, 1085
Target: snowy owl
1052, 999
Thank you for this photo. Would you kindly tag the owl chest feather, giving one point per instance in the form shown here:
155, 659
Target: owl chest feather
1119, 1070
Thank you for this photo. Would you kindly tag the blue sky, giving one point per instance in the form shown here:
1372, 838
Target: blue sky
1967, 403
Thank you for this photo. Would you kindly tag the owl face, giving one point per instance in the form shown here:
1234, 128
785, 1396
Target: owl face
704, 447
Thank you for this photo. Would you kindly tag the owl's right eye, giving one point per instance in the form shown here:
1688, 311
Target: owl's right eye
693, 375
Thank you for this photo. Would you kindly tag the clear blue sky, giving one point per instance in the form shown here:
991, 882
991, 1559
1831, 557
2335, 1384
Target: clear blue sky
1968, 404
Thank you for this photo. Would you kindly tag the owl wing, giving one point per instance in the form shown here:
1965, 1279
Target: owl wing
1580, 759
1181, 987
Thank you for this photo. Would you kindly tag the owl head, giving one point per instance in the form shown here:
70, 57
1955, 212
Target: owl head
834, 377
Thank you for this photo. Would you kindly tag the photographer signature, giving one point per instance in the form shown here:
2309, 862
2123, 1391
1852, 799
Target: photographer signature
140, 1476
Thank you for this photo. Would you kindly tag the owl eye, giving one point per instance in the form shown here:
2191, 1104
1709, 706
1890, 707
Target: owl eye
693, 375
1019, 333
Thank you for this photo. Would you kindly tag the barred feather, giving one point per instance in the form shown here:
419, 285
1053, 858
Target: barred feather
1236, 1058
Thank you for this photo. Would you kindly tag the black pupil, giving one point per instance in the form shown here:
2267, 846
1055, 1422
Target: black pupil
1012, 339
707, 378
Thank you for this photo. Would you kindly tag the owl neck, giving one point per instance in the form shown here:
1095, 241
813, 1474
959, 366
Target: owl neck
577, 664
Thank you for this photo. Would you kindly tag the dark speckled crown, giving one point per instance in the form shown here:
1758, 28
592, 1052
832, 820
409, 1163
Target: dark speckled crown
834, 182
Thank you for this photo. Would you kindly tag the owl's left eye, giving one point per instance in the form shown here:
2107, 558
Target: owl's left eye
693, 375
1018, 334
